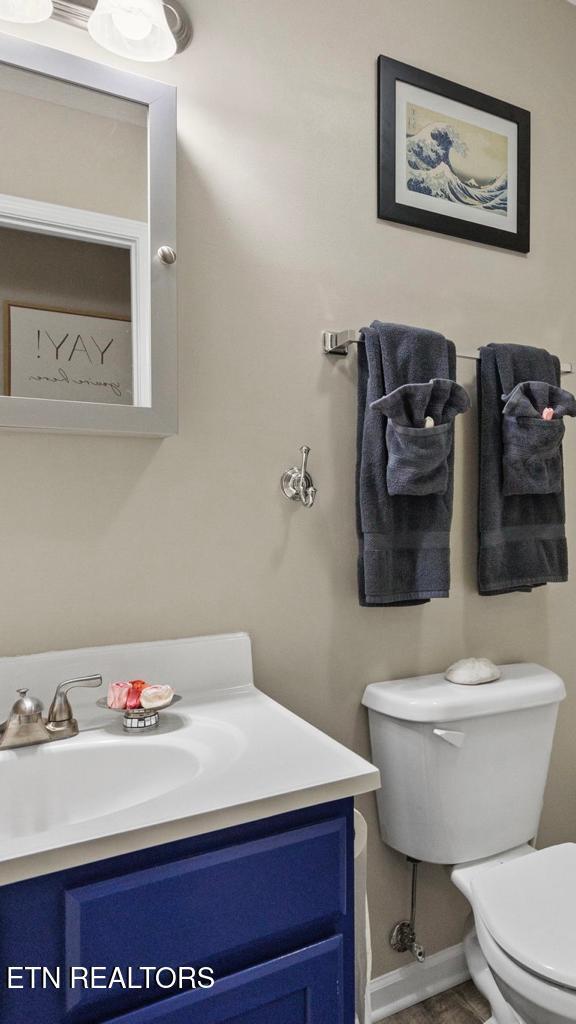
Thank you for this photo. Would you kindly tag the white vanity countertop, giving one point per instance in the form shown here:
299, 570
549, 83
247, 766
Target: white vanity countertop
224, 755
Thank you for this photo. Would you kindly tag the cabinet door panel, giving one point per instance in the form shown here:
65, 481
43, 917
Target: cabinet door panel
202, 908
252, 894
304, 987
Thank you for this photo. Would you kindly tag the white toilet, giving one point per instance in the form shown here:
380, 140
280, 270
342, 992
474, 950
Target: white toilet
463, 773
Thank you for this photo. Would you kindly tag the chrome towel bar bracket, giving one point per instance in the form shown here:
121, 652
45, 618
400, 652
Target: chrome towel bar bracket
337, 343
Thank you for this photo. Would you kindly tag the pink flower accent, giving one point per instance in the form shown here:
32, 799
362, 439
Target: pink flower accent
548, 413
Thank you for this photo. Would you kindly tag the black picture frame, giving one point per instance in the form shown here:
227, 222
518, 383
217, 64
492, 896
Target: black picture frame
390, 72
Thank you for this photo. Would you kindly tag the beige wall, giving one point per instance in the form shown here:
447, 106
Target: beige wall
279, 239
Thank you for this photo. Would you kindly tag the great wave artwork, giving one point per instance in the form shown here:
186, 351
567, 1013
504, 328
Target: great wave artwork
457, 161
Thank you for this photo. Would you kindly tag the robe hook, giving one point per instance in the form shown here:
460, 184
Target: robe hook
296, 482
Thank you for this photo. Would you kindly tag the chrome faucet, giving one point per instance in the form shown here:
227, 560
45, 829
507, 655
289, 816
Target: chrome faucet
26, 726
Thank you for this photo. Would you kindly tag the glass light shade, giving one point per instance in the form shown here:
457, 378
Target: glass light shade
136, 29
25, 11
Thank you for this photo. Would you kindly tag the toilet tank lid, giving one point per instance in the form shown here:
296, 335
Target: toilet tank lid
433, 699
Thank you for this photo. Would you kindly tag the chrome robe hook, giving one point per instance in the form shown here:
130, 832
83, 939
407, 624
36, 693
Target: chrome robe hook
297, 484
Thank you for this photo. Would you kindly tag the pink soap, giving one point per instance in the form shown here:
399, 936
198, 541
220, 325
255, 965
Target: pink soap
133, 698
548, 413
117, 695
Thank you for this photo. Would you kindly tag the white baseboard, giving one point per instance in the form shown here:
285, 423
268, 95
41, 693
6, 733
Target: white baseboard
411, 984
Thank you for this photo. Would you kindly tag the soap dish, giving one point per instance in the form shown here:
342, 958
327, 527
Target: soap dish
137, 719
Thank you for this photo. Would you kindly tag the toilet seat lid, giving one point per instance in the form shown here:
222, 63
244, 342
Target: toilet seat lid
529, 907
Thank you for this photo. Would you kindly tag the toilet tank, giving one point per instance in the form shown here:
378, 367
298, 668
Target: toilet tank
463, 768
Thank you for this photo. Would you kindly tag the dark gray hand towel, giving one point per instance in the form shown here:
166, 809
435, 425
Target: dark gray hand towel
403, 526
522, 542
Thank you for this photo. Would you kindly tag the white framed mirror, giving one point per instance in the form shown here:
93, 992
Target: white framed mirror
87, 246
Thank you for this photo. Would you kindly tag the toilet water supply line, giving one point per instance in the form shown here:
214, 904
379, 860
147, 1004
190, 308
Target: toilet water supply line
403, 935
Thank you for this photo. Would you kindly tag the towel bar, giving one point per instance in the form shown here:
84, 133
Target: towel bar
337, 343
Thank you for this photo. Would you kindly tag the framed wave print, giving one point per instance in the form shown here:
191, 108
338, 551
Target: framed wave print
451, 159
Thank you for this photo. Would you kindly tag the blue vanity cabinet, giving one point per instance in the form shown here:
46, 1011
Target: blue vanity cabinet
304, 987
268, 906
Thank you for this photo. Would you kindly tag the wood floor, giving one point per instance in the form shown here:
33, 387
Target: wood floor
460, 1005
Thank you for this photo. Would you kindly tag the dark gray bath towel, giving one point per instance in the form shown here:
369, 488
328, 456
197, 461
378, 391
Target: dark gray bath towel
522, 542
404, 487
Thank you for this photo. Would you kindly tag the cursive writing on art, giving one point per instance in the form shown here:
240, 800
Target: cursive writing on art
64, 378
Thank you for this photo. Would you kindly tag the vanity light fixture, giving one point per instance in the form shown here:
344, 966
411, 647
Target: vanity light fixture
142, 30
137, 29
27, 12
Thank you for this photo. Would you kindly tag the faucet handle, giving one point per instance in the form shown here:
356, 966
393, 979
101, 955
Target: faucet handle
79, 681
60, 717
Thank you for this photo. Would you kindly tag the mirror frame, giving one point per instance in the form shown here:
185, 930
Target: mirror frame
153, 282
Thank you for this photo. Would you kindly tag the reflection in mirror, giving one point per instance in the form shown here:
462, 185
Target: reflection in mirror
66, 332
73, 242
65, 144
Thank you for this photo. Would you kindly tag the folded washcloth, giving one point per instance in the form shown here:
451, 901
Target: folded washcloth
405, 469
532, 432
522, 542
419, 434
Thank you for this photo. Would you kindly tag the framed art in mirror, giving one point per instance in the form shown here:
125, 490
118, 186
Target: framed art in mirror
75, 356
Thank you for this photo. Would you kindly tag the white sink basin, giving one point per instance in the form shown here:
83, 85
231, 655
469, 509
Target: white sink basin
95, 777
64, 782
225, 754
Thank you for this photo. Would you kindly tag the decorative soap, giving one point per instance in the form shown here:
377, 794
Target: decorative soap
117, 695
137, 686
471, 671
137, 694
156, 696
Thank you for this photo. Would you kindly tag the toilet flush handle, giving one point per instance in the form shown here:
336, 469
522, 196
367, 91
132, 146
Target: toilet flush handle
456, 739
